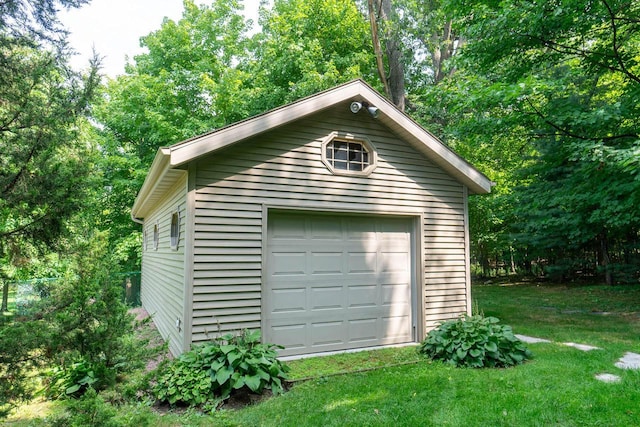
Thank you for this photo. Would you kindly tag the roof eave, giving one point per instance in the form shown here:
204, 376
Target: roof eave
427, 143
159, 168
189, 150
180, 154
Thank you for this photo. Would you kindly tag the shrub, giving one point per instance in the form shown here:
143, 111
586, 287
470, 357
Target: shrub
476, 342
186, 380
70, 381
88, 410
20, 354
89, 321
213, 370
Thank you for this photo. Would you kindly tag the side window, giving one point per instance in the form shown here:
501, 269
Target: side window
175, 230
156, 236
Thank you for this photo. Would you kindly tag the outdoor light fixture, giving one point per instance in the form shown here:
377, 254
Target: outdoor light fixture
356, 106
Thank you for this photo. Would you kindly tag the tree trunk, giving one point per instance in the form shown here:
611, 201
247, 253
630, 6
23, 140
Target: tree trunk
394, 83
604, 259
375, 38
5, 296
443, 48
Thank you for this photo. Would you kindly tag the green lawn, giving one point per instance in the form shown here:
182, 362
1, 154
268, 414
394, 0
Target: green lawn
396, 388
599, 315
556, 388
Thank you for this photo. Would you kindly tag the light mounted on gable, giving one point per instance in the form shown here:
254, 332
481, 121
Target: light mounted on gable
356, 106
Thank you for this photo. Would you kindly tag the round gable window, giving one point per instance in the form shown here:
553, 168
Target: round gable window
348, 155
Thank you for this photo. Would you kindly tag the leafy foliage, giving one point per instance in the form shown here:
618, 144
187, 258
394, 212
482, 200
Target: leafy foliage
243, 361
475, 342
21, 352
44, 102
185, 85
307, 46
89, 318
185, 381
69, 381
558, 83
89, 410
81, 331
214, 370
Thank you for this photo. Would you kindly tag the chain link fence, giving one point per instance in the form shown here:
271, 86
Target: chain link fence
28, 292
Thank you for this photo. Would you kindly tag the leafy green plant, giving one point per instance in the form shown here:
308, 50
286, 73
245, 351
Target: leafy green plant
214, 370
476, 342
89, 410
70, 381
185, 381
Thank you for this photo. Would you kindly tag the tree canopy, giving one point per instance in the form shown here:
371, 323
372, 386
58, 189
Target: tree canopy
42, 102
567, 72
541, 96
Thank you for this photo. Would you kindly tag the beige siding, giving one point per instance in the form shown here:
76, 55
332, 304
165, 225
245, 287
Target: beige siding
283, 168
162, 288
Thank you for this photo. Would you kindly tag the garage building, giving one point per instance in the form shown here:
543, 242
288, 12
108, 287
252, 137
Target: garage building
330, 224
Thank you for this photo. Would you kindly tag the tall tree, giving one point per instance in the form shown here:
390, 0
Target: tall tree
568, 71
193, 80
384, 30
42, 100
42, 103
185, 85
307, 46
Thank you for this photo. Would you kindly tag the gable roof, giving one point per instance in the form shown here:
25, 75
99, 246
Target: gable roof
168, 164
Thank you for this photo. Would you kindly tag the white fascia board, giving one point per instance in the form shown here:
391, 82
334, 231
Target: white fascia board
186, 151
435, 150
157, 171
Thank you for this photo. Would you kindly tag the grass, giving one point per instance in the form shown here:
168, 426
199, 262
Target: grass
606, 316
318, 367
558, 388
395, 387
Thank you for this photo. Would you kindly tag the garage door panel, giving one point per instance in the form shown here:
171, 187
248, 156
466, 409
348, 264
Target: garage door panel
291, 336
363, 330
346, 284
289, 300
396, 327
325, 228
362, 262
325, 262
328, 333
287, 263
394, 263
359, 232
396, 294
287, 228
363, 296
328, 297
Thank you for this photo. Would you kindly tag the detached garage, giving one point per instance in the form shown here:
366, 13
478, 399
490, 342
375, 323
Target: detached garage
332, 223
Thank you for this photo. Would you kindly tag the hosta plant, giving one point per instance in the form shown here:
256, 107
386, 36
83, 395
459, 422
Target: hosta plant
476, 342
239, 361
210, 372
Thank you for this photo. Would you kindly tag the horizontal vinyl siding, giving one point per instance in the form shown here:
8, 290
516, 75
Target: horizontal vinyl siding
162, 287
284, 168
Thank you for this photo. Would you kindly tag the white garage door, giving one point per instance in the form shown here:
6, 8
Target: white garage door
337, 282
